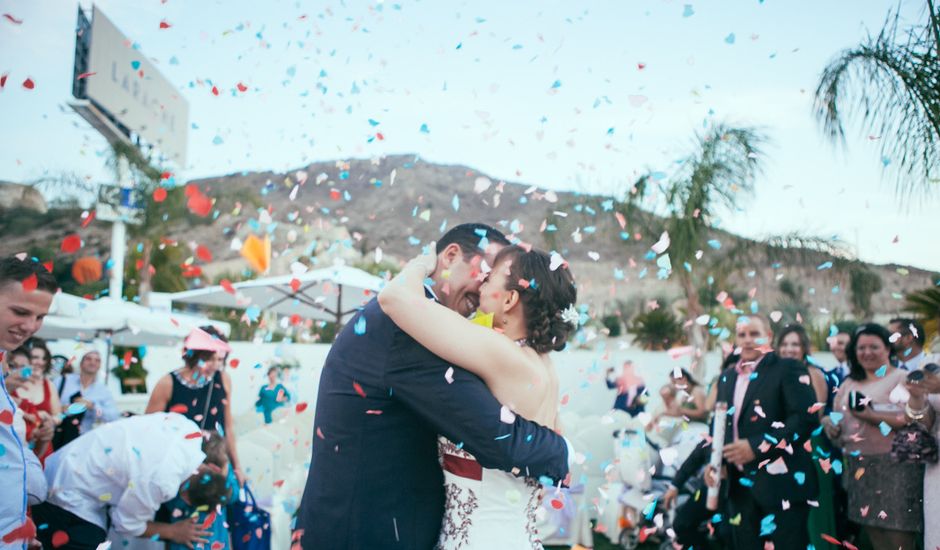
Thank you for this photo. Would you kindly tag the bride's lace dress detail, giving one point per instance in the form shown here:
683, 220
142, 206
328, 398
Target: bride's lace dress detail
485, 509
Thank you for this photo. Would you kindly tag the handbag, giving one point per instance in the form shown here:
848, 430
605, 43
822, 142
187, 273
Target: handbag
914, 444
250, 525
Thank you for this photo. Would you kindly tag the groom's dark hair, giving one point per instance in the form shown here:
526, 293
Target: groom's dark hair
472, 238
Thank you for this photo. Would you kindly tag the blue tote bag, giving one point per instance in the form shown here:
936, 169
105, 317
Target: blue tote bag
250, 525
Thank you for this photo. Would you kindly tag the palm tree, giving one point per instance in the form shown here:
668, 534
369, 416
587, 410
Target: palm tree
926, 305
154, 221
718, 173
656, 330
892, 82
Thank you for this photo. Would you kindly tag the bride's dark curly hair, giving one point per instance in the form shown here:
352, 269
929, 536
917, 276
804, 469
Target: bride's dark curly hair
544, 293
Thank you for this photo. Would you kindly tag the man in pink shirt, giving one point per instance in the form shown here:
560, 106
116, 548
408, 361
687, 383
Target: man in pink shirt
770, 474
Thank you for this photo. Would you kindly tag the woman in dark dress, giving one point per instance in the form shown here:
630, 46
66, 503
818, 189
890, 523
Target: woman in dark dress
200, 391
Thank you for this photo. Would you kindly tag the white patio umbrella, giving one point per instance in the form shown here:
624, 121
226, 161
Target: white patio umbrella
125, 323
118, 323
329, 294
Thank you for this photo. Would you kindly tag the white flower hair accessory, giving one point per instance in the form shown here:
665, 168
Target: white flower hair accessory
571, 316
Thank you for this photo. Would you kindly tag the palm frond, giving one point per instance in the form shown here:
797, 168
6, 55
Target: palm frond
892, 85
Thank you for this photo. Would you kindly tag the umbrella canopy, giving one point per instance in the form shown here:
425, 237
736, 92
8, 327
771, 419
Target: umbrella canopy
125, 323
328, 294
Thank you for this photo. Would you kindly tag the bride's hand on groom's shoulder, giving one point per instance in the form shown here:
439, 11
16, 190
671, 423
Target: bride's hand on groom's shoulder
426, 261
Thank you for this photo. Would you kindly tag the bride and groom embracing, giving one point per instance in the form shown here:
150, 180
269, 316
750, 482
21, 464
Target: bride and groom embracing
435, 431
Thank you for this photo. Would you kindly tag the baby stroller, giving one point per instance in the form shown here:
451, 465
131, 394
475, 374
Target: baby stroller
645, 520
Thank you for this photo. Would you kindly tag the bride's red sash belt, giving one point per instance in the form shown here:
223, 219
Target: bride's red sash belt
463, 467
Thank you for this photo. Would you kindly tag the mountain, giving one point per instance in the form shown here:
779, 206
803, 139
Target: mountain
350, 208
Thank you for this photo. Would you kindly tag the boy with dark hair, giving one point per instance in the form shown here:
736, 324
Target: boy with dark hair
26, 290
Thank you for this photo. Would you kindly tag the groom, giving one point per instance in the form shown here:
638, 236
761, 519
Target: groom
374, 479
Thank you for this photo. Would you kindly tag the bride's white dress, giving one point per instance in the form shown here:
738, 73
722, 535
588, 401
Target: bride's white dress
485, 509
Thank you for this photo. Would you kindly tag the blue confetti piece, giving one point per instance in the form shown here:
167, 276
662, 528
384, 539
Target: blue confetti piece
800, 477
746, 481
714, 243
253, 313
556, 84
135, 64
882, 370
373, 122
836, 417
217, 140
503, 437
824, 265
75, 408
767, 525
360, 327
837, 467
729, 39
885, 428
455, 203
3, 450
687, 11
424, 129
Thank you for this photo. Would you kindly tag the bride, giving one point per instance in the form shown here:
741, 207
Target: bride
526, 310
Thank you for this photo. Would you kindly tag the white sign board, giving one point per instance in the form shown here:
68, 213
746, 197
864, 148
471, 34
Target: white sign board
131, 89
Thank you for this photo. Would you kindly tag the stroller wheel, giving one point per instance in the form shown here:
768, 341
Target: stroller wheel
629, 539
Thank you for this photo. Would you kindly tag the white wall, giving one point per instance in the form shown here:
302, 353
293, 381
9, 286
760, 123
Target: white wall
581, 372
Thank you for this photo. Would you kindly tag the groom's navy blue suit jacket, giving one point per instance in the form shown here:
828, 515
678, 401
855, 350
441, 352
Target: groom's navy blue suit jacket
375, 481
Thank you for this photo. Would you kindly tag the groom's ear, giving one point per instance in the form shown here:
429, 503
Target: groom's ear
450, 255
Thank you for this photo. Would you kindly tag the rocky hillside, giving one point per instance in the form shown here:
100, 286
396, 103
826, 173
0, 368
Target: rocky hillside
349, 209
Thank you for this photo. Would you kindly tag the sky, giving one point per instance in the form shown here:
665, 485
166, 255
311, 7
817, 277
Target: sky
564, 95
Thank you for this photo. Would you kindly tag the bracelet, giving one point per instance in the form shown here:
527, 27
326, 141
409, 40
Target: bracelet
918, 414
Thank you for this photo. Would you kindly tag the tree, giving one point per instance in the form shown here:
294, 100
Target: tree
718, 173
863, 284
156, 218
926, 305
656, 330
892, 82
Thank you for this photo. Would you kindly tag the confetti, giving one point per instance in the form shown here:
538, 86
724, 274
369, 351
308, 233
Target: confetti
30, 284
71, 243
257, 253
360, 327
59, 538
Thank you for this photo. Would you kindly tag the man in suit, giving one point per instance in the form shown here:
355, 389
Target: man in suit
770, 472
837, 345
375, 481
908, 341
